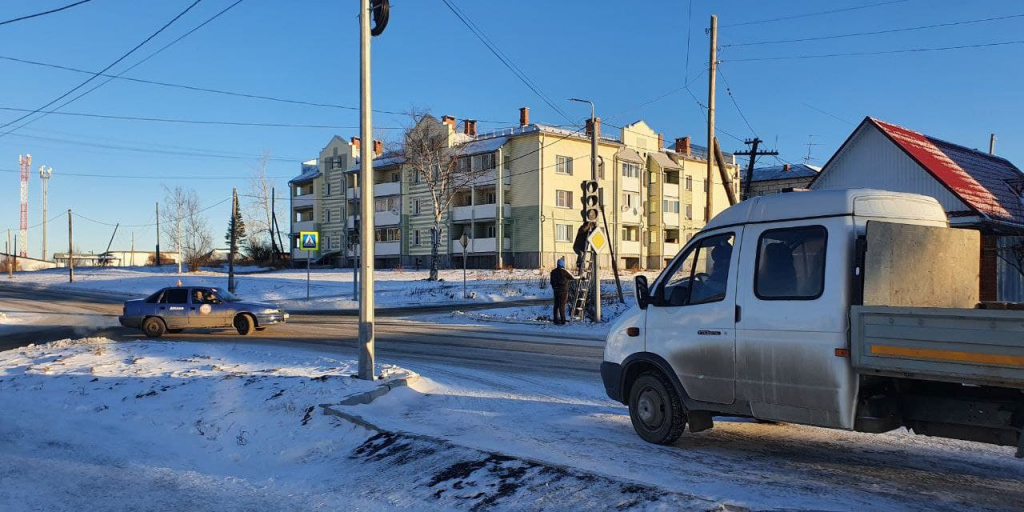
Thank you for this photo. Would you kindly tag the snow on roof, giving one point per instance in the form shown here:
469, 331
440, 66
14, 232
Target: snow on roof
779, 172
990, 185
480, 146
308, 174
386, 160
663, 160
629, 155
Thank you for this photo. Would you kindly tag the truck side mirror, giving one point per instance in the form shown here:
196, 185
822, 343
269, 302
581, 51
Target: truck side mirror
641, 291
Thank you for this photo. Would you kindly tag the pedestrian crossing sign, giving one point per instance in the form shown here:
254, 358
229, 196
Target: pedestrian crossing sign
597, 240
309, 241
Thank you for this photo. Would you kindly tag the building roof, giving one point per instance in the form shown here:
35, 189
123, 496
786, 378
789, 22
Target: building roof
480, 146
309, 173
988, 184
779, 172
663, 160
385, 160
629, 155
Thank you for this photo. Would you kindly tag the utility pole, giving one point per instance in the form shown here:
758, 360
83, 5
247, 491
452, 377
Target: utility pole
991, 151
157, 235
234, 241
10, 266
273, 222
712, 67
753, 153
71, 250
180, 252
44, 174
595, 279
133, 249
379, 12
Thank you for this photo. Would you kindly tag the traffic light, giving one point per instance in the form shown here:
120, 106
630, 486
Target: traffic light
591, 201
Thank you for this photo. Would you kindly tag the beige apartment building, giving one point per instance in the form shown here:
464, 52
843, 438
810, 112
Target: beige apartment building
654, 197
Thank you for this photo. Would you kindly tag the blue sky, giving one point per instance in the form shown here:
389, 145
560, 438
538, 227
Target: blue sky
619, 54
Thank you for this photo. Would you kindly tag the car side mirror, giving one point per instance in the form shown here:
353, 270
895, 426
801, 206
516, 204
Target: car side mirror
641, 291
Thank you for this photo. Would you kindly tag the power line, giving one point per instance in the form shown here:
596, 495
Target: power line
145, 177
819, 13
877, 32
882, 52
95, 75
44, 13
827, 113
504, 60
659, 97
689, 29
210, 90
195, 121
148, 150
728, 90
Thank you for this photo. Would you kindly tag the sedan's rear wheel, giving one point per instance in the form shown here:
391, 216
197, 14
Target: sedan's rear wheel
154, 327
244, 324
655, 409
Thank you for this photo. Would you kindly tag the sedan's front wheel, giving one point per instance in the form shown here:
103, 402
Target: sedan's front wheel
244, 324
154, 327
655, 409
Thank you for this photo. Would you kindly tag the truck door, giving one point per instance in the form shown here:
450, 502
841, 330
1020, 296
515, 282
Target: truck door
691, 321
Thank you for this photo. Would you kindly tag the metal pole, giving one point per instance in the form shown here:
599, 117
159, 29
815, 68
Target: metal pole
465, 294
234, 242
157, 262
10, 266
273, 210
711, 118
366, 309
181, 253
44, 174
596, 281
308, 257
71, 250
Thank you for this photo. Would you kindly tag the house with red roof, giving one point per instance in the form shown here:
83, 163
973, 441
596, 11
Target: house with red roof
978, 190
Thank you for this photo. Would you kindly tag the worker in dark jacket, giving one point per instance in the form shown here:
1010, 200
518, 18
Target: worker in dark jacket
580, 245
560, 279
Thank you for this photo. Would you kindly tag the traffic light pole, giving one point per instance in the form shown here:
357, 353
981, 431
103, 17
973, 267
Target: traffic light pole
366, 308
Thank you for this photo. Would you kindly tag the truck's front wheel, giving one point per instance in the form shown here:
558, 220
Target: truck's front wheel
655, 409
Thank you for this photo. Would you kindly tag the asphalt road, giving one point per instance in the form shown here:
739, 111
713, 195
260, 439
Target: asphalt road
63, 314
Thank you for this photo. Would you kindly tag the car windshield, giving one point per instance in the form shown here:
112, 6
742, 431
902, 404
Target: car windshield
225, 295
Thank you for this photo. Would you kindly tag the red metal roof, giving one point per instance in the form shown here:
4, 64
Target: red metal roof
990, 185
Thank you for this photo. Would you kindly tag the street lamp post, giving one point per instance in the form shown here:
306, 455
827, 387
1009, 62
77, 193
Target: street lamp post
596, 277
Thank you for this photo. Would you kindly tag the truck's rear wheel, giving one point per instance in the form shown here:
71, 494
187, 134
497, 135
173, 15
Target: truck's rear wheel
655, 409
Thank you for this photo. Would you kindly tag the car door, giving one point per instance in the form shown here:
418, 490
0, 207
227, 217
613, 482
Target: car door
206, 310
691, 320
173, 308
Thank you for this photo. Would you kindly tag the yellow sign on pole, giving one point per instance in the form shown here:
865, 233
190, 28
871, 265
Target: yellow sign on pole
597, 240
309, 241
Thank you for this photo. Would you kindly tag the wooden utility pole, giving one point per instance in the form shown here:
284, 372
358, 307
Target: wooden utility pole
712, 66
71, 250
157, 235
753, 153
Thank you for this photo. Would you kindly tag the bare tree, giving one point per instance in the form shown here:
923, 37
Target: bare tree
261, 214
436, 158
182, 205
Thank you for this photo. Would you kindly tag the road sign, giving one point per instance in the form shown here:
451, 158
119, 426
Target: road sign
597, 240
464, 240
309, 241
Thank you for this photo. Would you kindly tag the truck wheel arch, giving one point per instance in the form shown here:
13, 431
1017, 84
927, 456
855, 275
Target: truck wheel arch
640, 362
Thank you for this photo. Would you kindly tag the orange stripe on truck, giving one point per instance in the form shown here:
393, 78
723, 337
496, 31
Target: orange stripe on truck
948, 355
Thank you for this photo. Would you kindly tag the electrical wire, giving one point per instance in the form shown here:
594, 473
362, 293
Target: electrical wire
149, 150
196, 121
147, 177
44, 13
504, 59
819, 13
880, 52
104, 70
728, 90
876, 32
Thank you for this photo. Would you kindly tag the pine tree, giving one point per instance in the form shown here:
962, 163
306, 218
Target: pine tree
240, 234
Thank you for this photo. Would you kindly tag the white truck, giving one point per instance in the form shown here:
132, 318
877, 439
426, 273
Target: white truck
849, 309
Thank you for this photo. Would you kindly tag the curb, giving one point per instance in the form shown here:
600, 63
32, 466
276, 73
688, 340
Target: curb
365, 398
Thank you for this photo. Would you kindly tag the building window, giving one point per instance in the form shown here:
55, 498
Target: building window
490, 198
791, 264
491, 231
630, 170
483, 162
631, 234
671, 236
563, 165
630, 200
653, 177
415, 177
327, 214
689, 183
670, 206
416, 237
507, 162
328, 190
563, 232
396, 177
672, 177
385, 204
563, 198
689, 211
387, 234
327, 243
416, 206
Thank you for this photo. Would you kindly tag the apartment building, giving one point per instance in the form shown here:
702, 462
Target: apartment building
522, 208
304, 190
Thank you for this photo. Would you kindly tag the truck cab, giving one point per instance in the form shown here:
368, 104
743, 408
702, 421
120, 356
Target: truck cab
753, 317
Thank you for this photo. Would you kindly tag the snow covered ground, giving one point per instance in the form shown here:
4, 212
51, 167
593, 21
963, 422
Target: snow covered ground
531, 318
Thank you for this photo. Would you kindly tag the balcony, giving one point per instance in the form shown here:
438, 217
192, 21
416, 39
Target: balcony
379, 219
477, 245
490, 178
304, 201
671, 189
670, 249
308, 225
670, 219
379, 190
480, 211
379, 249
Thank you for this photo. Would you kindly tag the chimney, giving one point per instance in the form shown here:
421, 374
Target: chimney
661, 142
355, 142
785, 168
378, 147
470, 127
683, 146
449, 120
524, 116
590, 128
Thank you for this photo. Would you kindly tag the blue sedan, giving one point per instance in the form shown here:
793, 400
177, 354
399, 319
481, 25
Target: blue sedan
177, 308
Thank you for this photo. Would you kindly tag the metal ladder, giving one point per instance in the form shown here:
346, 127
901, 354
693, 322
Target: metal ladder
579, 303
